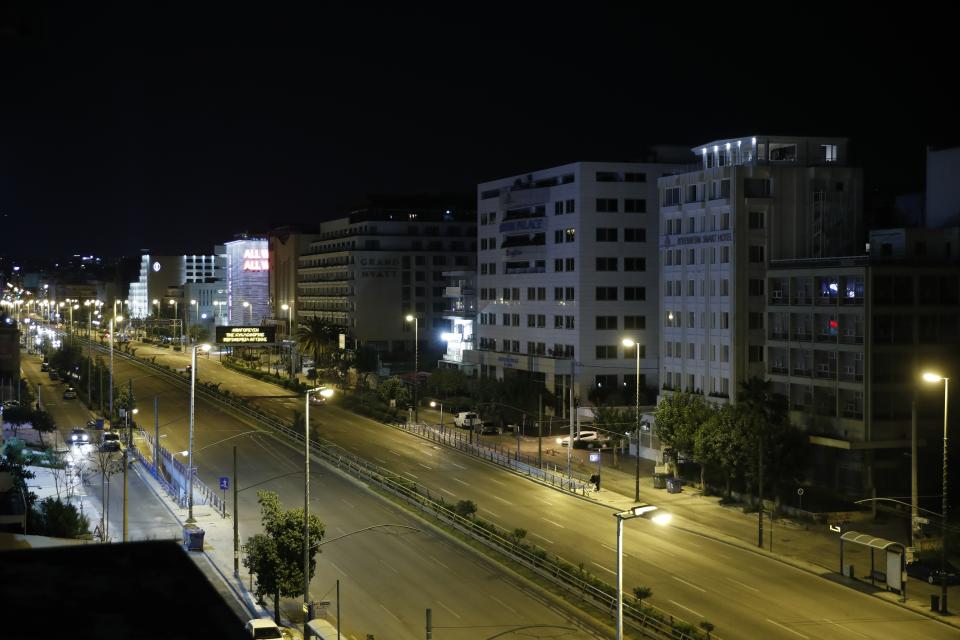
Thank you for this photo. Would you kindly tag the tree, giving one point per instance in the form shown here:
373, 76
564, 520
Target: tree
395, 389
17, 417
42, 423
276, 556
465, 508
725, 442
57, 519
641, 594
764, 412
674, 424
320, 339
67, 358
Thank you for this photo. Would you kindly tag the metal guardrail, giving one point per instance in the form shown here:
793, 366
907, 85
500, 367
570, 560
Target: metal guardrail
530, 556
521, 464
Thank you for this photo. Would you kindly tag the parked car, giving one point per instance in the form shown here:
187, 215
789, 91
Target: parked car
79, 436
491, 428
110, 441
69, 393
54, 375
265, 629
466, 420
44, 365
929, 570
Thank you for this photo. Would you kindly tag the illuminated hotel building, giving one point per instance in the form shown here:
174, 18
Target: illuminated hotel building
367, 271
163, 278
248, 280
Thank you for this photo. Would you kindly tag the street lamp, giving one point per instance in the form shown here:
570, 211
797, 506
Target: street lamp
416, 363
126, 463
247, 305
193, 303
630, 342
650, 512
434, 404
193, 395
157, 304
112, 321
286, 308
325, 392
934, 378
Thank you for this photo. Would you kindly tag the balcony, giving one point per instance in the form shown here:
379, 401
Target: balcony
800, 406
778, 298
851, 376
801, 300
851, 339
856, 301
780, 371
779, 335
830, 338
802, 373
824, 372
825, 300
537, 240
802, 336
853, 414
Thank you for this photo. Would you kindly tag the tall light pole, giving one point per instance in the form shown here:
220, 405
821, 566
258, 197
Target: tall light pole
651, 513
112, 320
126, 463
193, 396
434, 404
156, 303
630, 342
325, 392
176, 316
416, 364
934, 378
193, 303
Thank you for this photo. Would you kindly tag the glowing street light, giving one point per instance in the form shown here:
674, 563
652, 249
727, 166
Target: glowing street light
650, 512
933, 378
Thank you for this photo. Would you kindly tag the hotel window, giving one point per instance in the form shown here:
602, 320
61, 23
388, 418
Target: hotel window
634, 235
829, 152
634, 264
570, 206
607, 205
568, 264
541, 293
558, 322
756, 219
756, 253
604, 323
558, 265
568, 322
569, 235
635, 322
633, 293
606, 293
606, 351
558, 207
725, 320
568, 292
606, 264
691, 320
634, 177
634, 205
724, 254
606, 234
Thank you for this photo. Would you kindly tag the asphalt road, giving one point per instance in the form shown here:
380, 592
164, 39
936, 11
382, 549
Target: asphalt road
692, 577
388, 577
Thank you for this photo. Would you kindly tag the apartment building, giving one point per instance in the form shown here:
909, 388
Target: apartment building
567, 269
746, 202
847, 339
460, 314
369, 270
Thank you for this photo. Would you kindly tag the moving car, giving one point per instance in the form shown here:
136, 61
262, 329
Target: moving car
110, 441
69, 393
586, 440
929, 570
79, 436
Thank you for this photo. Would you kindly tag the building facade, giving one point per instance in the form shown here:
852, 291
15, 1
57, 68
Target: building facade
162, 279
287, 244
747, 202
567, 270
248, 282
367, 271
460, 314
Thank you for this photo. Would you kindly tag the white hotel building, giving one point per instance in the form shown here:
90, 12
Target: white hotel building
567, 268
747, 202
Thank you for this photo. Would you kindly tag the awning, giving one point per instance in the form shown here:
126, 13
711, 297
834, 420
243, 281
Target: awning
870, 541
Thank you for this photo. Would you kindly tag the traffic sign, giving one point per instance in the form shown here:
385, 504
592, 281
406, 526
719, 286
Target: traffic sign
594, 457
800, 491
224, 483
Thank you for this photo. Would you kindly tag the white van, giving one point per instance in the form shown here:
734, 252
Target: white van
467, 420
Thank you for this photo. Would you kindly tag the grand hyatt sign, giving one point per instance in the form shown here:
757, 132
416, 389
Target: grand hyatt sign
379, 267
246, 336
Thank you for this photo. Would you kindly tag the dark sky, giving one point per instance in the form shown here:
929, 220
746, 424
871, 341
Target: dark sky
169, 129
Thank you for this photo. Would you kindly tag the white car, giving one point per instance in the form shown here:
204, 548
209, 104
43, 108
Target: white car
585, 440
267, 629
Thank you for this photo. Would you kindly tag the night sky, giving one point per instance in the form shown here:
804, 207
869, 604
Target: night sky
172, 130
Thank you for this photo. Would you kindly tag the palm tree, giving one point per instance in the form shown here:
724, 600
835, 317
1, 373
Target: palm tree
317, 338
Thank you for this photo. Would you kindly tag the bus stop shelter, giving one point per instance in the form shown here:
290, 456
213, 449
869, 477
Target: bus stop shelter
894, 576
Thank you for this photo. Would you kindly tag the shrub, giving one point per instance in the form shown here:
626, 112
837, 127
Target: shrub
465, 508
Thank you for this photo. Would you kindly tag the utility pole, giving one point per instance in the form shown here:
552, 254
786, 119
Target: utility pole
540, 432
236, 522
914, 497
156, 437
429, 624
570, 444
759, 493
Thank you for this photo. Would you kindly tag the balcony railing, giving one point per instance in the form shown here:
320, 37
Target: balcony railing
777, 298
854, 339
827, 374
853, 302
802, 373
826, 337
779, 370
802, 336
851, 377
825, 300
853, 414
779, 335
801, 300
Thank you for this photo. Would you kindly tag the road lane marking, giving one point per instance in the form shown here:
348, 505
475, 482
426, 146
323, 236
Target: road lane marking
337, 568
504, 604
625, 554
425, 466
495, 481
440, 563
745, 586
396, 453
387, 565
542, 538
410, 474
461, 482
380, 459
501, 499
495, 515
857, 633
347, 502
458, 466
788, 629
689, 584
391, 613
603, 567
556, 524
449, 609
447, 492
696, 613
